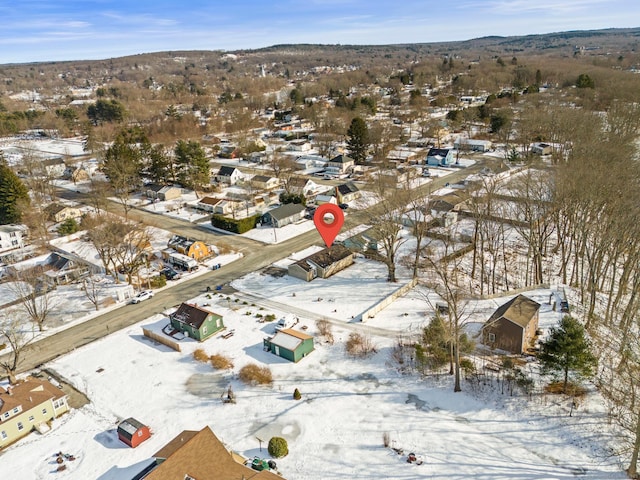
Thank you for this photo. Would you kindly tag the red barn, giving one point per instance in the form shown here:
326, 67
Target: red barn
132, 432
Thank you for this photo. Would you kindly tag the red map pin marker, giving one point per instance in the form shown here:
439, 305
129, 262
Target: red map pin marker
328, 230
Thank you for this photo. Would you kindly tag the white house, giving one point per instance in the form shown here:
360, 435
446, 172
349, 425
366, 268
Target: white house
341, 163
471, 144
229, 175
12, 236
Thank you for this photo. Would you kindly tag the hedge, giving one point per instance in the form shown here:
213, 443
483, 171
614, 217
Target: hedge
240, 225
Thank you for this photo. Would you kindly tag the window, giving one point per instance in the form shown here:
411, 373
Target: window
4, 435
44, 411
492, 337
31, 418
16, 410
20, 426
204, 329
6, 415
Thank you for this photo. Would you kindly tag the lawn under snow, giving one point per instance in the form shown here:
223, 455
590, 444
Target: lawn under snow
347, 404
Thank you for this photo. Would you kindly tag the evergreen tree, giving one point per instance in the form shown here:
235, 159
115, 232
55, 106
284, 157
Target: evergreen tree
568, 349
585, 81
358, 142
192, 164
160, 165
13, 193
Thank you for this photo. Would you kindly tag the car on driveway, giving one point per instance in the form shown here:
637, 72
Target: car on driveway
344, 206
142, 296
169, 273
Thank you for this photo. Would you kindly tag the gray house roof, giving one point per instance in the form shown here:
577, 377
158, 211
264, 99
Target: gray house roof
342, 159
286, 211
324, 257
347, 188
519, 310
226, 171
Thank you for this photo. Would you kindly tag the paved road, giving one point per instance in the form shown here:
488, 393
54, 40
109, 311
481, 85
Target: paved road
256, 257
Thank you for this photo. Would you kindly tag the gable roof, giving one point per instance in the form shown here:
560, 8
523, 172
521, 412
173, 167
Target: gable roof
262, 178
441, 152
129, 427
348, 187
519, 310
210, 201
191, 315
202, 456
28, 394
325, 257
342, 159
286, 210
226, 171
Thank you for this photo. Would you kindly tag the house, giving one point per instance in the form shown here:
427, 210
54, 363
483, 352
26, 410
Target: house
12, 236
512, 327
54, 167
440, 157
347, 192
162, 192
301, 185
283, 215
57, 212
541, 149
62, 269
365, 241
199, 456
196, 322
132, 432
322, 264
265, 182
299, 146
229, 175
472, 145
326, 198
289, 344
208, 204
27, 406
341, 164
189, 247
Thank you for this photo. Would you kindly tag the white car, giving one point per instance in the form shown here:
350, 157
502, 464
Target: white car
144, 295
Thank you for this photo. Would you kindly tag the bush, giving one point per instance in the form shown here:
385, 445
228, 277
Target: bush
200, 355
253, 374
278, 447
296, 394
358, 345
240, 225
220, 362
158, 281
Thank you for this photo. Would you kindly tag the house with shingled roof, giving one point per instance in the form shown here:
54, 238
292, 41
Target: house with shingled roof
229, 175
196, 322
199, 456
283, 215
322, 264
513, 326
28, 406
289, 344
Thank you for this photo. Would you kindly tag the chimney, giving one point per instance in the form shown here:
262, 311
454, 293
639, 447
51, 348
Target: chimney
10, 390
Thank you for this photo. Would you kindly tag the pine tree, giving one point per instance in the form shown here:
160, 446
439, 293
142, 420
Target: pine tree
358, 142
568, 349
13, 194
192, 164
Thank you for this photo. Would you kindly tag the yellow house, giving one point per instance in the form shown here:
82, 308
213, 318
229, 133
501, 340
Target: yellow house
27, 406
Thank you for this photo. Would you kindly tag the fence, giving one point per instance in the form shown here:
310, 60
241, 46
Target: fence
388, 300
163, 339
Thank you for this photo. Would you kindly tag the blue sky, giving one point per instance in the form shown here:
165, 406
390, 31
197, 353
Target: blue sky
42, 30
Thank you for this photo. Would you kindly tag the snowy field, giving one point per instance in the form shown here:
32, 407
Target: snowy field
334, 432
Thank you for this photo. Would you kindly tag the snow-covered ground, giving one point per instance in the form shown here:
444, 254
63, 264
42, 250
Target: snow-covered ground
335, 431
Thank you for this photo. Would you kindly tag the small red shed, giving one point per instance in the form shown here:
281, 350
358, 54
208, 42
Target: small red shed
132, 432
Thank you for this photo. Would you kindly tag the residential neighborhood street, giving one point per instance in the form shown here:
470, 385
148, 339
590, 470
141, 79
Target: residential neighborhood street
255, 257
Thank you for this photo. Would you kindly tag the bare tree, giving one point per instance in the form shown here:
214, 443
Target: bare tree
33, 294
93, 288
443, 275
13, 331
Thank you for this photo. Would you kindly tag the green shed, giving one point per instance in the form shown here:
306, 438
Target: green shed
289, 344
196, 322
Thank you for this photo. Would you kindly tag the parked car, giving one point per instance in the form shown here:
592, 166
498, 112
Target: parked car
344, 206
142, 296
169, 273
